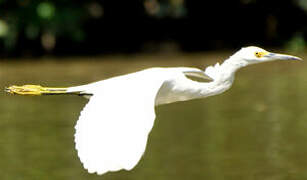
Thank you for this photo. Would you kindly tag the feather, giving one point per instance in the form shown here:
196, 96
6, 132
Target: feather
112, 129
213, 71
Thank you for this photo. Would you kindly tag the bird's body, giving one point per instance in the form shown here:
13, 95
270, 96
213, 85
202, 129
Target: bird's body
112, 130
172, 84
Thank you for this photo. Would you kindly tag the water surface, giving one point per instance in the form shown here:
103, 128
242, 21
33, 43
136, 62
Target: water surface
256, 130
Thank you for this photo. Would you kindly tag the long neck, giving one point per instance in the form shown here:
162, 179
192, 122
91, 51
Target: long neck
186, 89
231, 65
223, 78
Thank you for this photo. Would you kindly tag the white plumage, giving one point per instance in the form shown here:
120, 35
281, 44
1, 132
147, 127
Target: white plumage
112, 130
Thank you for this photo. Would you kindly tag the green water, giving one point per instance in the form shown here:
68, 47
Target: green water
256, 130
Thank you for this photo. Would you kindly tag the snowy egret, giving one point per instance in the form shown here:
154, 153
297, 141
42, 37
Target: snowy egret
112, 130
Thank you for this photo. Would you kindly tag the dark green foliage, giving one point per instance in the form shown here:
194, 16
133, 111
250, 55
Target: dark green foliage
65, 27
32, 19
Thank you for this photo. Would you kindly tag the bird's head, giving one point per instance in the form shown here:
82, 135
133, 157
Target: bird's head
253, 55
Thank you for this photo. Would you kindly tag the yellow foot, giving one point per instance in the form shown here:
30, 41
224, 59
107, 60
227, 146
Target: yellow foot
26, 90
35, 90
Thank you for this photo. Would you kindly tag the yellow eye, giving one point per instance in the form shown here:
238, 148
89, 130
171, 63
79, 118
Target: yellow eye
259, 54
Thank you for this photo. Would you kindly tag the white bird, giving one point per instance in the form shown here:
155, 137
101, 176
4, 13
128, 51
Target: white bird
112, 130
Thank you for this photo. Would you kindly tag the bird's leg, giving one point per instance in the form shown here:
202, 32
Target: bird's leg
35, 90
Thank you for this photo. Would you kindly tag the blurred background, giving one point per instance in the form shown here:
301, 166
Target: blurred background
256, 130
64, 27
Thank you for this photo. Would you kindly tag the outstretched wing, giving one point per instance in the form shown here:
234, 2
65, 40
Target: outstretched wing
112, 130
